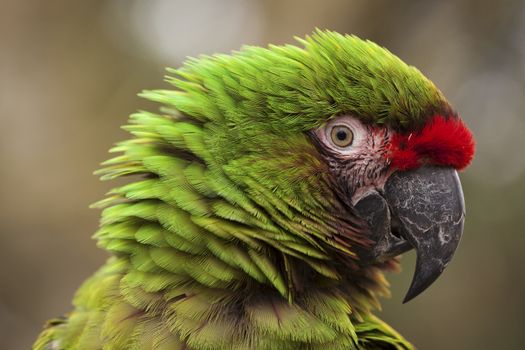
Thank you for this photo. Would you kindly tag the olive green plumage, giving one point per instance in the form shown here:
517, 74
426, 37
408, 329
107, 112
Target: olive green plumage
228, 237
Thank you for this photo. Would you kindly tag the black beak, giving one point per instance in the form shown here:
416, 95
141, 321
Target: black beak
422, 209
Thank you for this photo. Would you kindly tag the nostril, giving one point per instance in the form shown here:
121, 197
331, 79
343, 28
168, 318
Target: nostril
396, 232
395, 228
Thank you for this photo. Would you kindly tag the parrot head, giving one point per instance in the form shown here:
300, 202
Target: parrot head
350, 153
329, 161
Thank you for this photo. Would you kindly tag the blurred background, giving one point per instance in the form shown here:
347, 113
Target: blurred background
69, 75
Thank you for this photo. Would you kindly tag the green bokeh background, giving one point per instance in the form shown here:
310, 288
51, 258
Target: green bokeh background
69, 74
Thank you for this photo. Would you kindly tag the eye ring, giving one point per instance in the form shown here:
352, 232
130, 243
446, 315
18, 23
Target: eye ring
341, 136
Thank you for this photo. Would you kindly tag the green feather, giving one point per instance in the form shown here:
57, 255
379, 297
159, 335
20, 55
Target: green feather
228, 236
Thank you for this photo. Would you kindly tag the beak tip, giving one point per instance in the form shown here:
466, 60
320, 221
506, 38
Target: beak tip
425, 275
407, 298
411, 294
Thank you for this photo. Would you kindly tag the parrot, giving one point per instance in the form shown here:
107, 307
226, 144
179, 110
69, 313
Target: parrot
266, 198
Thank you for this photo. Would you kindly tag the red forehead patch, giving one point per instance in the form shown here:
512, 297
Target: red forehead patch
442, 141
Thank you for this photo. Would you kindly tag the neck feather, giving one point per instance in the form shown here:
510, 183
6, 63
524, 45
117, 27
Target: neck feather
220, 262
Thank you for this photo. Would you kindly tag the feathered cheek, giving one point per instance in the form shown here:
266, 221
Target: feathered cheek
442, 141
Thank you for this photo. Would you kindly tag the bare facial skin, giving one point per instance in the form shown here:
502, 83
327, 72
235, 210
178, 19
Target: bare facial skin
362, 164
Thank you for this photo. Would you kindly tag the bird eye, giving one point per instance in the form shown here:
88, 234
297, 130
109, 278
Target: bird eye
342, 136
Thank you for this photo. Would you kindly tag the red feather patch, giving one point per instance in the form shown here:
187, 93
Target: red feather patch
442, 141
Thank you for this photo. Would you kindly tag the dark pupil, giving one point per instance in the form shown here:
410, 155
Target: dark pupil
341, 135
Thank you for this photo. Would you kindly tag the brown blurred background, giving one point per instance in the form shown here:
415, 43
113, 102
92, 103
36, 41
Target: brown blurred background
69, 74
